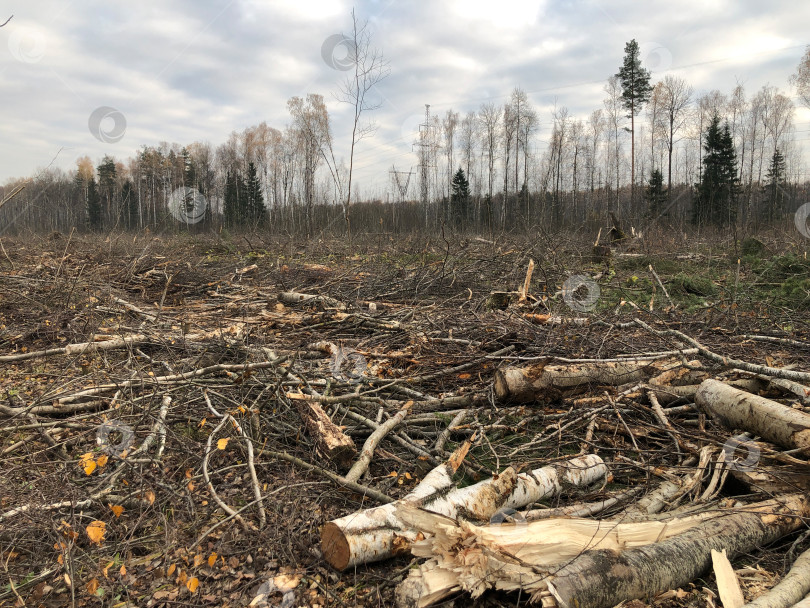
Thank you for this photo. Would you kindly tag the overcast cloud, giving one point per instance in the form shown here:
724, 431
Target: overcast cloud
185, 71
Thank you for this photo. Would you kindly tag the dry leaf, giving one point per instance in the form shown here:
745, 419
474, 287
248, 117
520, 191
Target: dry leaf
150, 496
106, 568
123, 570
117, 510
101, 460
171, 569
89, 466
198, 559
212, 559
67, 580
92, 586
182, 577
192, 584
223, 443
96, 531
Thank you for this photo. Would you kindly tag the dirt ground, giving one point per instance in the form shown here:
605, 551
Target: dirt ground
103, 496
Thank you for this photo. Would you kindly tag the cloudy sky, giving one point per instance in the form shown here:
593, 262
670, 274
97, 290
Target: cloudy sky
195, 70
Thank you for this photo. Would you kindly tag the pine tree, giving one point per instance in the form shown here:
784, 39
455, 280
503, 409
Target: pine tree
93, 205
460, 198
107, 177
775, 186
716, 199
254, 199
636, 91
656, 194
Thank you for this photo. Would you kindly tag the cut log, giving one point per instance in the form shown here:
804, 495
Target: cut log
770, 420
790, 589
330, 441
525, 384
585, 563
377, 534
293, 297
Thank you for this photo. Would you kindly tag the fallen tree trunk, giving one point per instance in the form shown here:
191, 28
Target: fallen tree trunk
770, 420
572, 563
523, 384
377, 534
330, 441
790, 589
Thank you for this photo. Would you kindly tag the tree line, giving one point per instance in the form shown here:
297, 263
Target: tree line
654, 151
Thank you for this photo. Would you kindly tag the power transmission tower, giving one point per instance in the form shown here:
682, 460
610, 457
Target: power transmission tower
424, 157
398, 181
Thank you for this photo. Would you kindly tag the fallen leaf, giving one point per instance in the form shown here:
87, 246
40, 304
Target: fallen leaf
221, 444
212, 559
92, 586
123, 570
117, 510
198, 559
89, 467
192, 584
96, 531
101, 460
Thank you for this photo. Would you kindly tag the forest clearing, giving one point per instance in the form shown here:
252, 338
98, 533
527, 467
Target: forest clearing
200, 420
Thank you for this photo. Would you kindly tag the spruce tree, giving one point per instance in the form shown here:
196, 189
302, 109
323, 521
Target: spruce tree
93, 205
656, 194
460, 197
716, 198
775, 186
636, 91
254, 199
231, 211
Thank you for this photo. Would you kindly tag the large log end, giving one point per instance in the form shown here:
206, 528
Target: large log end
335, 546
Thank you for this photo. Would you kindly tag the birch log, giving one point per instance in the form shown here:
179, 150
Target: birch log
770, 420
790, 589
524, 384
377, 534
586, 563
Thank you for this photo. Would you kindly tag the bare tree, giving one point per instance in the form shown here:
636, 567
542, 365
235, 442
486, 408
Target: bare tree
801, 79
449, 125
311, 124
675, 98
490, 117
613, 114
370, 68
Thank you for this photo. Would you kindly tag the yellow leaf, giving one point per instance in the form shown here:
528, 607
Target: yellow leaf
123, 570
89, 467
60, 559
92, 586
212, 559
96, 531
223, 443
190, 486
202, 422
198, 559
171, 569
101, 460
408, 475
182, 577
106, 568
192, 584
117, 509
150, 496
392, 474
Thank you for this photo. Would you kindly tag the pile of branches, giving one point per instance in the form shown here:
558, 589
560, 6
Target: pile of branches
209, 433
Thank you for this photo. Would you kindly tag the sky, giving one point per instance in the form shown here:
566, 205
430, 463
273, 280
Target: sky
95, 78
